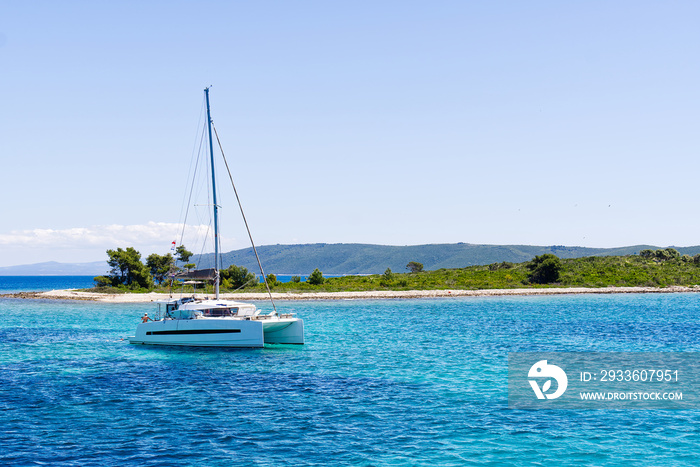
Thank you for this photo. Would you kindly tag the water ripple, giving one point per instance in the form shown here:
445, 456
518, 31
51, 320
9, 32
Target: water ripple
418, 382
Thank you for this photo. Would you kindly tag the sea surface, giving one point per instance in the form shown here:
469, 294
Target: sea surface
379, 382
12, 284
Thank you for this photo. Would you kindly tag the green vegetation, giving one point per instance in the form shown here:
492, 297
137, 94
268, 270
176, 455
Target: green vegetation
316, 278
387, 279
159, 266
544, 269
345, 258
594, 271
127, 271
651, 268
271, 280
414, 266
182, 254
235, 278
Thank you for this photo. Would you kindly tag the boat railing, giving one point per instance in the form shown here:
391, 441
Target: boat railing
282, 315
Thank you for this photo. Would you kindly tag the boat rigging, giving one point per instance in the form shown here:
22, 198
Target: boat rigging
189, 321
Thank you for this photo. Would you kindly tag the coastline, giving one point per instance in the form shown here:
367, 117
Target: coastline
74, 294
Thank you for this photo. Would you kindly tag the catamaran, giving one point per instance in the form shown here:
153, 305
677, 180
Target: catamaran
191, 321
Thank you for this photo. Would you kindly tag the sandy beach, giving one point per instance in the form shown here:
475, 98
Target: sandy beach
73, 294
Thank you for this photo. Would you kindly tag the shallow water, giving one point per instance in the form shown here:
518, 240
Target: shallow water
388, 382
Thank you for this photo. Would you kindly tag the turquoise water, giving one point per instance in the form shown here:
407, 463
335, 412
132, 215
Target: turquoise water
393, 382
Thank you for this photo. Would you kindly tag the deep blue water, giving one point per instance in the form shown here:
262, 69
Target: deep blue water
393, 382
11, 284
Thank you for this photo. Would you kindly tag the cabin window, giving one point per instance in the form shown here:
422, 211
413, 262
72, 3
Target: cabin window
219, 312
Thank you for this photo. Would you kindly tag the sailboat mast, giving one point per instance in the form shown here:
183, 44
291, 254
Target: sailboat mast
216, 206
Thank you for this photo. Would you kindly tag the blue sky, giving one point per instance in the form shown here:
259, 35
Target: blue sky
388, 122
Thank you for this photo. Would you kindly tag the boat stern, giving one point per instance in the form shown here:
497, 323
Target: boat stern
284, 331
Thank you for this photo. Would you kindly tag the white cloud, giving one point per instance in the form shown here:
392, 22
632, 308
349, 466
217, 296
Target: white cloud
150, 237
87, 244
152, 233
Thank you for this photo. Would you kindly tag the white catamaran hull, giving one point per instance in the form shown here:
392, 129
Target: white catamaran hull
222, 332
284, 331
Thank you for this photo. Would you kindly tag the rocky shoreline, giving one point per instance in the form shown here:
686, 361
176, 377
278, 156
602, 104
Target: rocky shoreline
73, 294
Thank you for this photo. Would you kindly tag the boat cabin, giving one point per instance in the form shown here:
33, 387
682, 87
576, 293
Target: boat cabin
188, 308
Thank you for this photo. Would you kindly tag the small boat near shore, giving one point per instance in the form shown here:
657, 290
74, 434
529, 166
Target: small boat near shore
214, 322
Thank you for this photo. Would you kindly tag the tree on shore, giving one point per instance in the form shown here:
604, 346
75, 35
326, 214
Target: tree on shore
182, 254
545, 269
665, 254
647, 254
160, 265
271, 280
414, 266
387, 278
316, 277
237, 277
126, 270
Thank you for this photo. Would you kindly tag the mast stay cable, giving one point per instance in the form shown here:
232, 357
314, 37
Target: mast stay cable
189, 200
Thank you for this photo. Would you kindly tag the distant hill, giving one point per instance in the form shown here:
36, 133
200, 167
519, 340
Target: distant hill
53, 268
355, 258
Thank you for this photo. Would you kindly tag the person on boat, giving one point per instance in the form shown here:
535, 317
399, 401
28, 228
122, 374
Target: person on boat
145, 318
